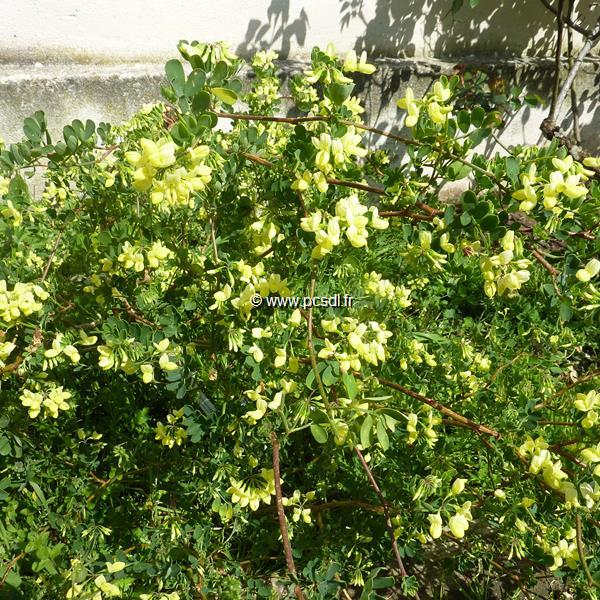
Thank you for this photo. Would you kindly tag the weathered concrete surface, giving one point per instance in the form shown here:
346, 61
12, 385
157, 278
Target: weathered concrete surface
113, 92
148, 30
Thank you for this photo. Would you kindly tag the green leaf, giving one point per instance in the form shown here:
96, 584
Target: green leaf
175, 75
38, 492
318, 433
338, 92
4, 446
478, 115
489, 222
565, 312
380, 583
481, 209
474, 3
32, 130
219, 72
382, 435
225, 95
457, 170
90, 129
328, 376
365, 431
513, 168
463, 120
201, 101
350, 385
195, 82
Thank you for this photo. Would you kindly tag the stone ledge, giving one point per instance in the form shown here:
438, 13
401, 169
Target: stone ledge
112, 92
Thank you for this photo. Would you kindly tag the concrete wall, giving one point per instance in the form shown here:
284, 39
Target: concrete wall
103, 59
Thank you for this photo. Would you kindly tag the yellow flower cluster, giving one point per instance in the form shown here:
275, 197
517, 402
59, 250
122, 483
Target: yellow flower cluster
355, 64
375, 285
333, 152
415, 252
176, 185
300, 512
171, 433
417, 354
113, 357
256, 283
543, 460
365, 341
251, 494
349, 219
153, 156
51, 401
69, 350
436, 103
263, 233
565, 181
426, 426
263, 403
591, 456
458, 523
565, 551
6, 349
498, 273
587, 404
591, 269
4, 184
23, 300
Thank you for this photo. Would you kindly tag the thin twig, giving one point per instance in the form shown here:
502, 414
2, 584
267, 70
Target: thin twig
292, 120
585, 49
9, 567
574, 107
557, 55
441, 408
552, 270
386, 512
569, 21
285, 538
581, 552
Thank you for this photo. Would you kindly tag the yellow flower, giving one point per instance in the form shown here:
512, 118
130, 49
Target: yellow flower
435, 528
166, 363
458, 486
360, 65
32, 401
157, 253
281, 357
589, 271
147, 373
408, 104
458, 524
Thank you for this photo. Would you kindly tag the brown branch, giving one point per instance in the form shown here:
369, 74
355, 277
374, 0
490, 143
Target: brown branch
357, 186
9, 567
552, 270
292, 120
405, 213
441, 408
386, 512
285, 538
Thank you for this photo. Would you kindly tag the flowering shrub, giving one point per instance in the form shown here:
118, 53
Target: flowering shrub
146, 389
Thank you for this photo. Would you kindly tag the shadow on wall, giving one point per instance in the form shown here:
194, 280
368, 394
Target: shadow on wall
277, 32
493, 37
